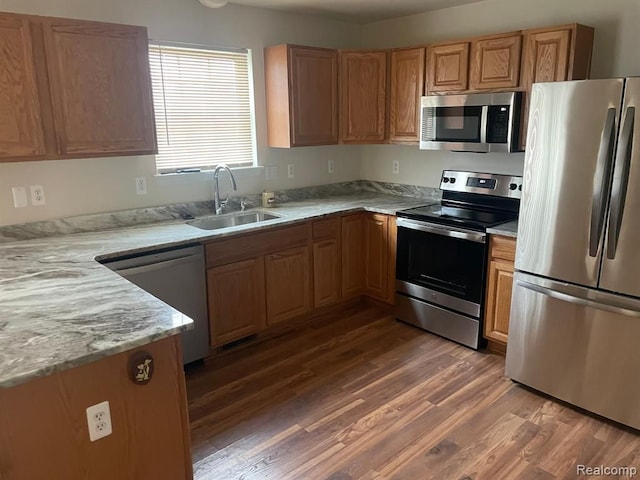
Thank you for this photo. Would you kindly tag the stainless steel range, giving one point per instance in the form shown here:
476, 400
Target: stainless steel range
442, 253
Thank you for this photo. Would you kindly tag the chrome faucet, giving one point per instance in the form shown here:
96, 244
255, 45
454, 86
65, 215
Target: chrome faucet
218, 205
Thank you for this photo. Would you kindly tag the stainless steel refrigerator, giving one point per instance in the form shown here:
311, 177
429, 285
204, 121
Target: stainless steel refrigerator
575, 311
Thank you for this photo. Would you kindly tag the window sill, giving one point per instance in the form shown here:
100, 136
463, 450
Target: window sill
205, 176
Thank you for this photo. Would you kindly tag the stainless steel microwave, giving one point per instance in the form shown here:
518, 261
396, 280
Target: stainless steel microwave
478, 122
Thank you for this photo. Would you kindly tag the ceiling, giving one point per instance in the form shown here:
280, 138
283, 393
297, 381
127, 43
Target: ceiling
361, 11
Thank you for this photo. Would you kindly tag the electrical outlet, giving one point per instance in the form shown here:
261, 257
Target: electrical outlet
290, 172
396, 167
37, 195
272, 172
19, 197
332, 166
141, 185
99, 421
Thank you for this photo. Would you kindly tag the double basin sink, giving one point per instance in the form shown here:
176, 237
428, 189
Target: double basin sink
231, 220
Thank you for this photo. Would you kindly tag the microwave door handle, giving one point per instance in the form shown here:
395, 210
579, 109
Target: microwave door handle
484, 121
620, 182
601, 182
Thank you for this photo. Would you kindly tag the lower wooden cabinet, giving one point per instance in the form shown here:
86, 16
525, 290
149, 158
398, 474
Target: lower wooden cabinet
353, 255
288, 282
327, 262
236, 294
499, 285
376, 255
259, 280
368, 252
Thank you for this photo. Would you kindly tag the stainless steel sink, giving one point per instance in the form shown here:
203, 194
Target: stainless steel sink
232, 220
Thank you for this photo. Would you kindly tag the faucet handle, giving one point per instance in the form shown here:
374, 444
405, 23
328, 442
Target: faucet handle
243, 205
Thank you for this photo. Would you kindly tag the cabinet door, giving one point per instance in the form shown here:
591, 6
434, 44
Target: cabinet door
353, 255
313, 79
447, 67
100, 87
288, 284
21, 129
326, 272
407, 86
498, 309
363, 97
376, 249
236, 300
495, 62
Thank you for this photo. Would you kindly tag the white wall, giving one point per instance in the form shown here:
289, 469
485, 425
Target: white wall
617, 38
74, 187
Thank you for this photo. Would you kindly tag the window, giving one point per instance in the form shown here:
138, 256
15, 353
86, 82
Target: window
203, 107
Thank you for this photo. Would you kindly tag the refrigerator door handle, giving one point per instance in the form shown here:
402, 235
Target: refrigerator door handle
584, 302
601, 182
620, 181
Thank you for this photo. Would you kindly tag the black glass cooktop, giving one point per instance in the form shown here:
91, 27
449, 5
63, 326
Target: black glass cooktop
467, 217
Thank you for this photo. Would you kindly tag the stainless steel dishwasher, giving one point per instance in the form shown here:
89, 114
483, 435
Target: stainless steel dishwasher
177, 277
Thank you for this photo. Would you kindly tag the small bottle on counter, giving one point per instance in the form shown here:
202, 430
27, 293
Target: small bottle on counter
268, 199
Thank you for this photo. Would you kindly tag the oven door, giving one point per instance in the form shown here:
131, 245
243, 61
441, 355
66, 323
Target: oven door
441, 265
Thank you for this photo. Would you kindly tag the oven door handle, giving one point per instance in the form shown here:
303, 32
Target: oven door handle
454, 232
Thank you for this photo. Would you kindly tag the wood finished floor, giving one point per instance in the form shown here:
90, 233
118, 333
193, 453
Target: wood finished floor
361, 396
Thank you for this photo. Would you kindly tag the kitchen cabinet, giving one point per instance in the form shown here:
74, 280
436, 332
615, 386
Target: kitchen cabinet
257, 280
100, 87
288, 283
236, 295
363, 96
498, 295
407, 86
302, 95
353, 255
368, 256
376, 237
326, 262
447, 67
554, 54
74, 89
21, 127
495, 62
44, 421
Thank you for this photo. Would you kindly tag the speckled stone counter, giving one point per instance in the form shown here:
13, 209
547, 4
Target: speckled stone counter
509, 229
60, 308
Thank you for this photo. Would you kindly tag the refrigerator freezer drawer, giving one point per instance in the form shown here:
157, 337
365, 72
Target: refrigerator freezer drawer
576, 344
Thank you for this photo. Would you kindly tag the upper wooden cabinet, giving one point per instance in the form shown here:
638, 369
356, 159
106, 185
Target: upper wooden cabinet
363, 96
21, 129
447, 67
100, 87
495, 62
302, 95
73, 89
407, 86
554, 54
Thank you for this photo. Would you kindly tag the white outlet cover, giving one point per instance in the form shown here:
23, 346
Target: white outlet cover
141, 185
37, 195
332, 166
19, 197
396, 167
99, 421
290, 171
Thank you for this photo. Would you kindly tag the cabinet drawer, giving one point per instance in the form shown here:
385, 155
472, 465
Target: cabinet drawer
256, 244
326, 229
503, 247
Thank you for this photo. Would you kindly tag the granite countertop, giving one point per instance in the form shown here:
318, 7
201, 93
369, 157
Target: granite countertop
60, 308
509, 229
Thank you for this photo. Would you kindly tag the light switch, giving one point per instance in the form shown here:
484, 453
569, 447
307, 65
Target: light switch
19, 197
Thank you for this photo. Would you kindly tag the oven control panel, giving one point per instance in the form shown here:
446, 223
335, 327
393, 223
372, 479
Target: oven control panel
483, 183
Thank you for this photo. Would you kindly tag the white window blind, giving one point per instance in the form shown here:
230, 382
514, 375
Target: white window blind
202, 101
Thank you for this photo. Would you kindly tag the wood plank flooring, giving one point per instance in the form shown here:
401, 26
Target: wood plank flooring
359, 395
